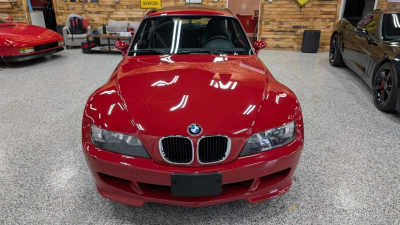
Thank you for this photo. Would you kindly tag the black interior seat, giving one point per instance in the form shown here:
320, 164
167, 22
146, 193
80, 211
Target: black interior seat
163, 33
219, 43
189, 36
215, 27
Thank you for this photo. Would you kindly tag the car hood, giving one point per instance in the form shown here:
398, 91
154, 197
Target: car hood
26, 35
165, 94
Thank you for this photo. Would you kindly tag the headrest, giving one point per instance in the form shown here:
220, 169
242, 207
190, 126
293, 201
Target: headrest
216, 25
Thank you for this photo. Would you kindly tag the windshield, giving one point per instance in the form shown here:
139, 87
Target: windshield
391, 27
190, 35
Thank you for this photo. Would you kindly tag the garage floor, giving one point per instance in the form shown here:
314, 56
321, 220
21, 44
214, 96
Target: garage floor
348, 173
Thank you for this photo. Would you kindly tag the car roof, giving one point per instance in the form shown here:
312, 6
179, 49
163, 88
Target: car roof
190, 10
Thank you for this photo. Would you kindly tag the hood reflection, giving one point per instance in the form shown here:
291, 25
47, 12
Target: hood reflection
91, 107
249, 109
139, 127
161, 83
167, 58
107, 92
244, 65
220, 59
110, 109
240, 131
279, 96
182, 104
219, 84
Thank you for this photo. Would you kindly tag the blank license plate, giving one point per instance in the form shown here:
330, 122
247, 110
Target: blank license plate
191, 185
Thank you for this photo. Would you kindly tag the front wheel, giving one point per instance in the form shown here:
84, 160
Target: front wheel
335, 57
385, 87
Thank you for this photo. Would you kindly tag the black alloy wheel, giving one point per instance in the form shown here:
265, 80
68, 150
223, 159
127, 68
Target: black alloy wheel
335, 57
385, 87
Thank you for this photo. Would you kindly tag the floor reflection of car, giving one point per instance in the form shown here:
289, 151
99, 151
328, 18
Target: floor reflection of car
191, 116
371, 49
20, 42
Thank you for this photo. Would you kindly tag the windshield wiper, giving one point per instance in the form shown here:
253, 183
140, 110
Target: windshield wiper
201, 52
149, 50
210, 52
186, 52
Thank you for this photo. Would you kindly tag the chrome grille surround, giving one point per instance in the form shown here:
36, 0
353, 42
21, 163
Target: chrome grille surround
227, 151
164, 156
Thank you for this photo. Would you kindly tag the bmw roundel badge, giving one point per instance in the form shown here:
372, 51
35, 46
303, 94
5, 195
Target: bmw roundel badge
194, 129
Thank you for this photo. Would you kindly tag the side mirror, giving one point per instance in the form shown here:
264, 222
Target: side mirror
364, 33
359, 31
258, 45
122, 46
10, 18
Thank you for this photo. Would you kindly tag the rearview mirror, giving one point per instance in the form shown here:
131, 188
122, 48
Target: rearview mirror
10, 18
122, 46
258, 45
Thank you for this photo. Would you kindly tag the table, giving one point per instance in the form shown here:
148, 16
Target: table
108, 48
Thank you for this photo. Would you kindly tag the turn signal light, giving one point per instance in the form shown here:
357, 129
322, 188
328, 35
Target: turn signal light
26, 50
60, 42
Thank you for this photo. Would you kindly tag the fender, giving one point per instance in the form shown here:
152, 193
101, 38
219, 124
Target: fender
277, 98
340, 26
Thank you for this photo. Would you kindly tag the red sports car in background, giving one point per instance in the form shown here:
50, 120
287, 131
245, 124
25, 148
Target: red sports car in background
20, 42
191, 116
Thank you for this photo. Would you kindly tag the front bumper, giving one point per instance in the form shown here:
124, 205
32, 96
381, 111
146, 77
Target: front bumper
20, 58
135, 181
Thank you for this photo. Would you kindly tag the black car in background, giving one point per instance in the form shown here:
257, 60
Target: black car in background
371, 48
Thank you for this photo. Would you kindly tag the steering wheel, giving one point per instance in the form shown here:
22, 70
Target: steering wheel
218, 37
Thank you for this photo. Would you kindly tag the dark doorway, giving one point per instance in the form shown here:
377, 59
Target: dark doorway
355, 10
49, 16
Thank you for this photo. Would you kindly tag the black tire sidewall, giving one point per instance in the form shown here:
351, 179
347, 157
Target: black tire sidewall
338, 60
332, 62
389, 105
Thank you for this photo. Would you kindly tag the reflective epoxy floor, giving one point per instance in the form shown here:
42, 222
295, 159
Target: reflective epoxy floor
348, 173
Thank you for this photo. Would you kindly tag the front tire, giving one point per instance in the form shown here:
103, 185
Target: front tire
335, 57
385, 87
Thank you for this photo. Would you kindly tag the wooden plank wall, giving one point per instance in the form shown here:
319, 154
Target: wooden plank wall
384, 4
99, 13
283, 22
15, 8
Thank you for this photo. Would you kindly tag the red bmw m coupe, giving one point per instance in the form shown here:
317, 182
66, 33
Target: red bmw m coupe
191, 116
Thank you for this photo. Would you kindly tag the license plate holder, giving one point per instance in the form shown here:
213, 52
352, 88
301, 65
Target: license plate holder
196, 185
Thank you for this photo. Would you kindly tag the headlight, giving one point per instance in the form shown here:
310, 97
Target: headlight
26, 50
117, 142
270, 139
60, 42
